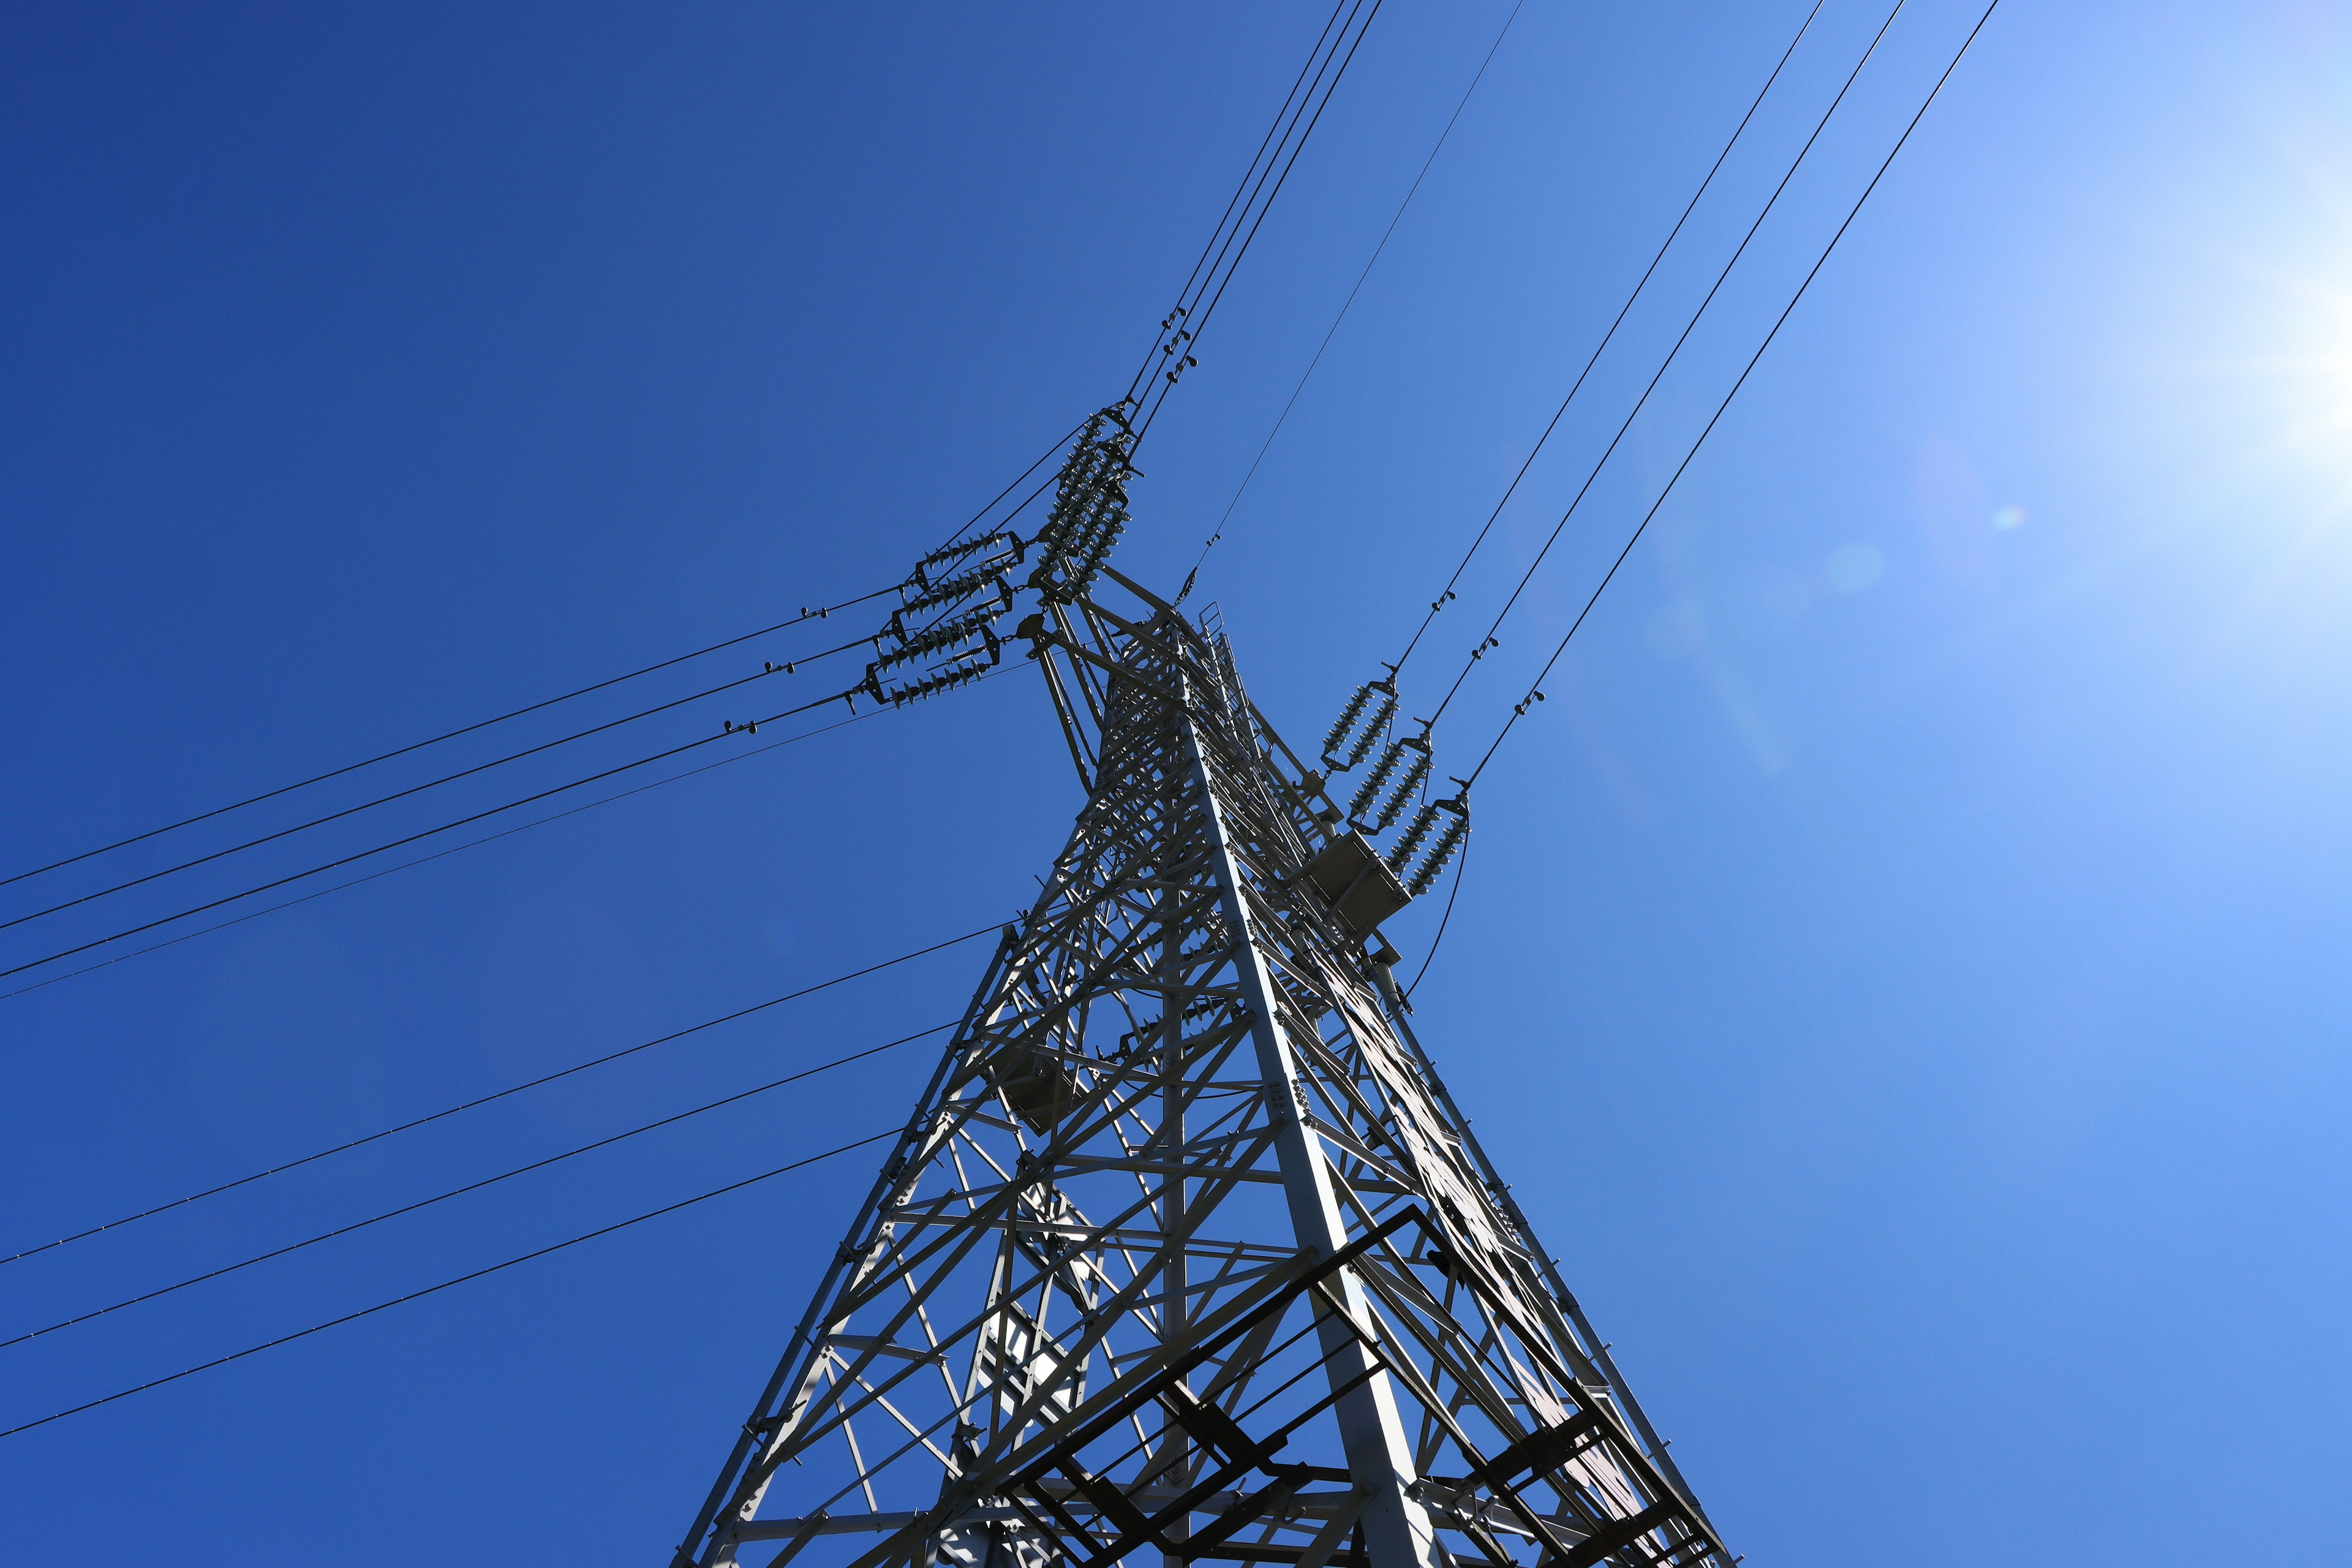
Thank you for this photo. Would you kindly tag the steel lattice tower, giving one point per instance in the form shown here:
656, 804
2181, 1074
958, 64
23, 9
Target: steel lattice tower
1186, 1252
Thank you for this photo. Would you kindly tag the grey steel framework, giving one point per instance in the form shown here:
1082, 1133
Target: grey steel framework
1186, 1253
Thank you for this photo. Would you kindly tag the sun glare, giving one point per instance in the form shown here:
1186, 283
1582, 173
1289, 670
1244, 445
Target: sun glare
2326, 428
2312, 375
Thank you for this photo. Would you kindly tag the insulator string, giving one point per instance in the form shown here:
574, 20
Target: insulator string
1406, 787
1369, 789
1411, 839
1456, 831
1444, 920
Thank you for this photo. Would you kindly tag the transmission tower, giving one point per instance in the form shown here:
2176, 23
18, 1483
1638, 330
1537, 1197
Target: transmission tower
1186, 1252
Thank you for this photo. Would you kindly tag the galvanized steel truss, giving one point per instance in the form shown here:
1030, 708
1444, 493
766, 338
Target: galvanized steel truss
1186, 1251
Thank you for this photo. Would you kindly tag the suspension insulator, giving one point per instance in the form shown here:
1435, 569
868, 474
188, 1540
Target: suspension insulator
1345, 721
947, 555
1374, 727
946, 636
947, 590
1090, 511
1407, 787
1081, 478
1447, 842
1423, 820
1092, 532
1087, 559
1345, 724
1369, 791
952, 676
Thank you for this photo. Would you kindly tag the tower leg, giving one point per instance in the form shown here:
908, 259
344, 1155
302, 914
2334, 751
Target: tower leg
1397, 1533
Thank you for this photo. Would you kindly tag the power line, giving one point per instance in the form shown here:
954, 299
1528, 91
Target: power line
1446, 593
818, 613
1320, 61
1218, 533
1199, 324
733, 729
1534, 690
1460, 869
1261, 183
436, 783
1090, 506
1220, 271
444, 1285
1143, 371
1046, 456
501, 1094
453, 849
1488, 641
474, 1186
1414, 754
1040, 488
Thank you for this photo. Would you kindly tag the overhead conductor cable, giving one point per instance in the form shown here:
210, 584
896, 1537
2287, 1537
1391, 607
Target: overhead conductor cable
1345, 305
1371, 728
1690, 326
444, 1285
443, 854
500, 1094
817, 614
477, 1185
1535, 692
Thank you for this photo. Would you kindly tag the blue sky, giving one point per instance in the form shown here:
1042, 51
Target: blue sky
1899, 968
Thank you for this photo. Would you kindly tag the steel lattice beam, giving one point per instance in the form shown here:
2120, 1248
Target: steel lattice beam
1186, 1252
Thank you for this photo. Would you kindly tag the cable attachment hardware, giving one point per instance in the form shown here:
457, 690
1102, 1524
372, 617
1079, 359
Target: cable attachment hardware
1447, 842
1385, 689
1090, 511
